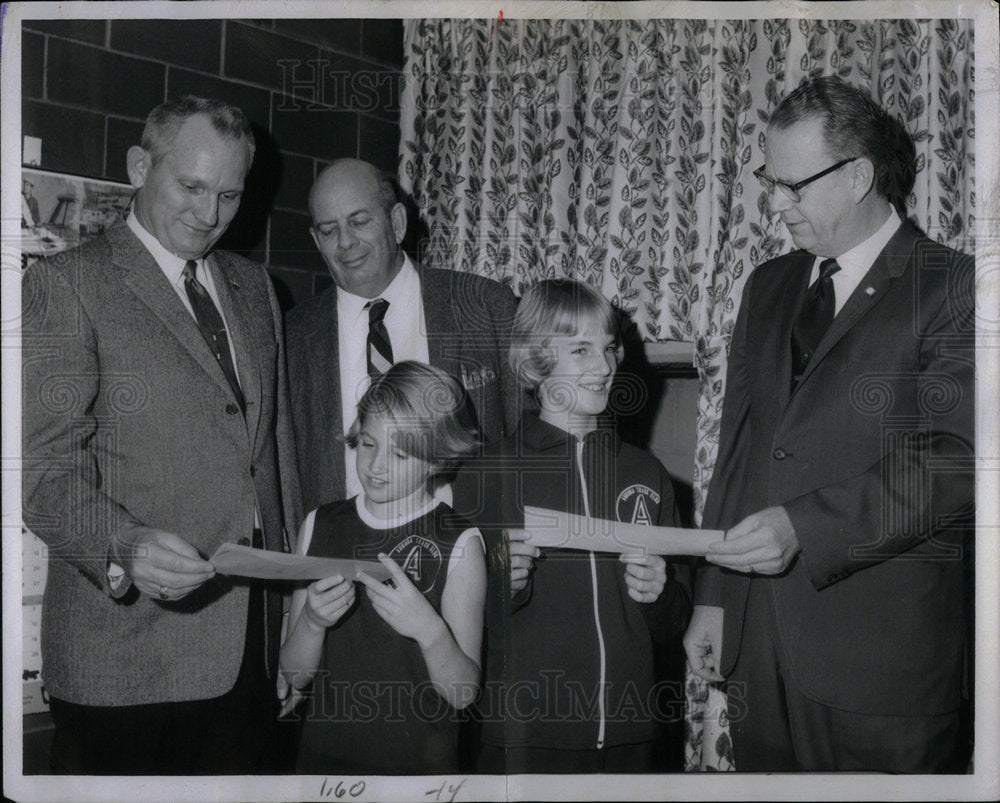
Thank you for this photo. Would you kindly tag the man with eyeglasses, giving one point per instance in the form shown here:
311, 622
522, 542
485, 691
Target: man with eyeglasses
834, 608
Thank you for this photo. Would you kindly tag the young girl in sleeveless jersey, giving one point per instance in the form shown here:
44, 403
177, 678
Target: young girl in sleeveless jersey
383, 670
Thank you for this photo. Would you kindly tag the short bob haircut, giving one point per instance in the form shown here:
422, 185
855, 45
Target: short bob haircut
555, 308
429, 414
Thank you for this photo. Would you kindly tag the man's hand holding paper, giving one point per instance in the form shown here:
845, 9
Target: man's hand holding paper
763, 543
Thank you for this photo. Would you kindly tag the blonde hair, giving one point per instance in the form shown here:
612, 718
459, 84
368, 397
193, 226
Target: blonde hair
554, 308
430, 413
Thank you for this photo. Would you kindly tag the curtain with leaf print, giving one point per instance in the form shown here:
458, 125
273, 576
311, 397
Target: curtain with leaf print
620, 153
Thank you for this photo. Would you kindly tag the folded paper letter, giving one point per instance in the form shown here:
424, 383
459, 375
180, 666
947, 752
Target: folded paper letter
245, 561
552, 528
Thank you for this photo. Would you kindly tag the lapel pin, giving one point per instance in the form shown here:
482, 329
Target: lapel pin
870, 291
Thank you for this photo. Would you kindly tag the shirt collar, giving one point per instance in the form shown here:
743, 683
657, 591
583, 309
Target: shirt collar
398, 521
405, 287
171, 264
859, 259
541, 435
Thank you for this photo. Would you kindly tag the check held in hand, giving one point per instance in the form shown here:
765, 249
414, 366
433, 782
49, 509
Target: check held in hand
244, 561
552, 528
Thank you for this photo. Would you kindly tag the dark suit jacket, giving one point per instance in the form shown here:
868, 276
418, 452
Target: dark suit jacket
872, 458
129, 419
468, 322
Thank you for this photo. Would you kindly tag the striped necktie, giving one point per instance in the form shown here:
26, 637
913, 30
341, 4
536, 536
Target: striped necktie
379, 347
212, 328
813, 319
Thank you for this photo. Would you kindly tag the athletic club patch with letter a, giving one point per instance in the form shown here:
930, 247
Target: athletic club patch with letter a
637, 505
420, 558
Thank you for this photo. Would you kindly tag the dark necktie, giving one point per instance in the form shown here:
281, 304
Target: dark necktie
379, 347
813, 319
212, 327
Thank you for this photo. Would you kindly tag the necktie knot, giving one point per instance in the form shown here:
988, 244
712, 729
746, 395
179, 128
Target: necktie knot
827, 268
190, 270
376, 310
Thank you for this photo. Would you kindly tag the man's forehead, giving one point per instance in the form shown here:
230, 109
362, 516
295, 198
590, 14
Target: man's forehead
225, 159
806, 132
199, 142
198, 129
803, 141
345, 192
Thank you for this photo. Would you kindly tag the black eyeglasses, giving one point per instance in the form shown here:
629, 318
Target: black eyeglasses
791, 191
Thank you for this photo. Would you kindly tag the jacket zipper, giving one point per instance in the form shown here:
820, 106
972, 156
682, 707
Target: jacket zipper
597, 615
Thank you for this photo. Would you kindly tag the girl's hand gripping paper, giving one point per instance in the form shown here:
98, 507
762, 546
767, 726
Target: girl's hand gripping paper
404, 608
327, 600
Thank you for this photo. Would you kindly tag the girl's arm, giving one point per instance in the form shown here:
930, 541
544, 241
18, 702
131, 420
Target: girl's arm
462, 604
313, 610
450, 642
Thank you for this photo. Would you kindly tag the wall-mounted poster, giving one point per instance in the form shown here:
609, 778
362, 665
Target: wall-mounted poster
60, 211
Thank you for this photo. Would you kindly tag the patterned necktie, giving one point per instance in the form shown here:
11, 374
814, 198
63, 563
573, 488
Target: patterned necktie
212, 328
813, 319
379, 347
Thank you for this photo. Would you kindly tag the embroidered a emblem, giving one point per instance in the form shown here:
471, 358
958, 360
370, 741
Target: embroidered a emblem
638, 504
420, 558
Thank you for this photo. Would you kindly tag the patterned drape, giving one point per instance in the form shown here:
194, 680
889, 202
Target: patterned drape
620, 152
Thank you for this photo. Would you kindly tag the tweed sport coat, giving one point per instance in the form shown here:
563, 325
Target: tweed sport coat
871, 456
128, 418
468, 322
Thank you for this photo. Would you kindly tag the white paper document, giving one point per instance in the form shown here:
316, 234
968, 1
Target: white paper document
552, 528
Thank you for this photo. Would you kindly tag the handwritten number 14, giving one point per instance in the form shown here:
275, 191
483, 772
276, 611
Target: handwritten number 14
439, 793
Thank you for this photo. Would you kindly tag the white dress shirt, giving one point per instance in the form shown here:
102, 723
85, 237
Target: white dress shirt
404, 321
856, 263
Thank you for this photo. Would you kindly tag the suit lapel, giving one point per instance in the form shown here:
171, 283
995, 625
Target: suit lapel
324, 358
435, 291
239, 321
889, 265
323, 370
144, 277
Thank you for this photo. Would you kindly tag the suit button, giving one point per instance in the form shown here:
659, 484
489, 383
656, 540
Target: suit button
253, 471
244, 542
232, 409
780, 454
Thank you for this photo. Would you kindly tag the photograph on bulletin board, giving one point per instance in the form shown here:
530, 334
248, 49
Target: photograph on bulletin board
60, 211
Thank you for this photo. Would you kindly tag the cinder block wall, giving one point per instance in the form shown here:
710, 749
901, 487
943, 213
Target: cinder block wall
315, 90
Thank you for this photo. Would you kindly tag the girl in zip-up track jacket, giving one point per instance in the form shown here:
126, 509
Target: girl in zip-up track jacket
573, 637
